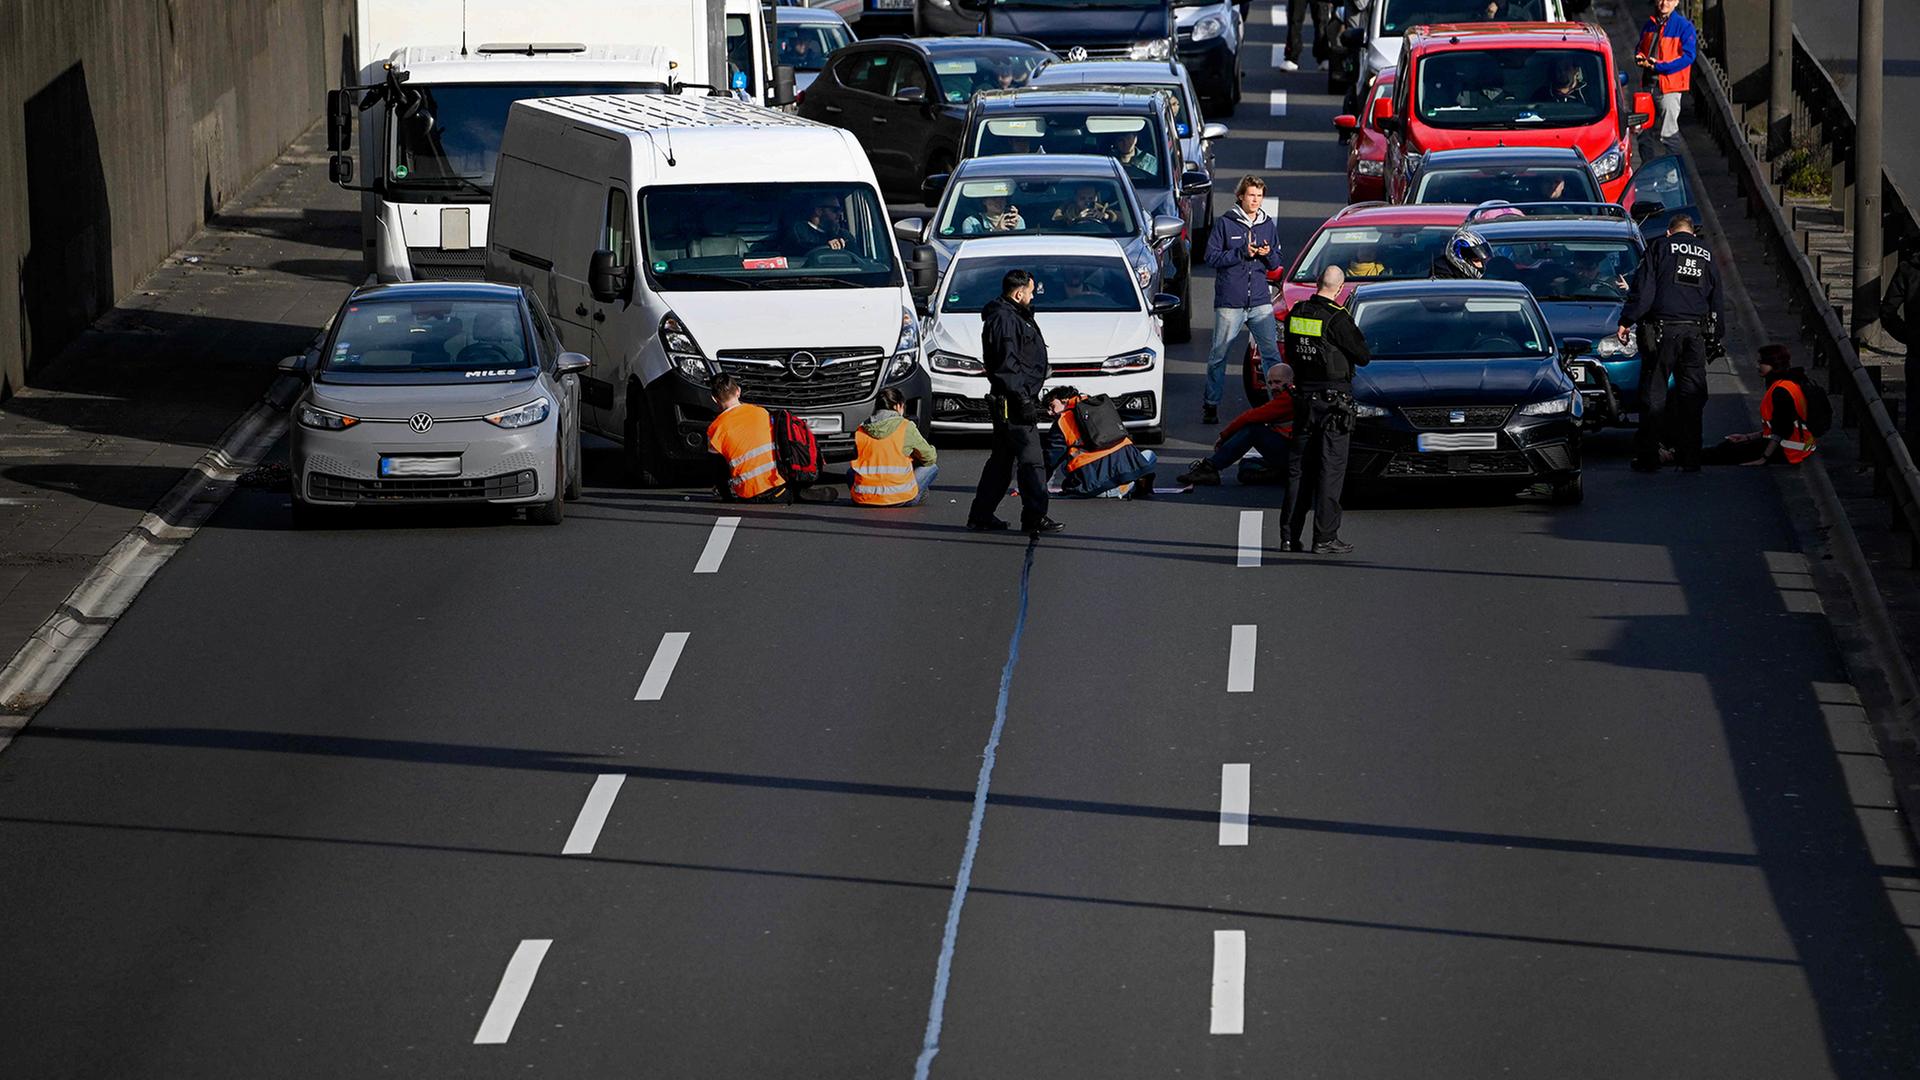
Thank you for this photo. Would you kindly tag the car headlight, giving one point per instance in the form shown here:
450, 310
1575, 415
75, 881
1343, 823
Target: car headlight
522, 415
1370, 167
1361, 408
1611, 347
1610, 165
955, 364
682, 351
1208, 28
1138, 360
906, 351
324, 420
1551, 407
1156, 49
1143, 273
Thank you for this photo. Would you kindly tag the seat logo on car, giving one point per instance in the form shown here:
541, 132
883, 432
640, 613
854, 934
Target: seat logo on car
1456, 416
803, 365
420, 422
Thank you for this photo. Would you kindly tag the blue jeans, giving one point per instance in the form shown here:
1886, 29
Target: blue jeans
1273, 447
923, 479
1126, 489
1227, 324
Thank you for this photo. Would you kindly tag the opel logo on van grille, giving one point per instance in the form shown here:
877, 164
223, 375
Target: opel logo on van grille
420, 422
803, 365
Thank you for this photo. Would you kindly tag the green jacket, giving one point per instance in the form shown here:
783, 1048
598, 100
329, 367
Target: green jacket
881, 424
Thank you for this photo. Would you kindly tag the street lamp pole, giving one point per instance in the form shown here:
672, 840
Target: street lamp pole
1780, 79
1866, 172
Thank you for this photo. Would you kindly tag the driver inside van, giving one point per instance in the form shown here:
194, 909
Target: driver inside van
821, 226
1568, 86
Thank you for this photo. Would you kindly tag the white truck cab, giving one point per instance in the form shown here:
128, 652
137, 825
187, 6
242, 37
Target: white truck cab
673, 238
437, 78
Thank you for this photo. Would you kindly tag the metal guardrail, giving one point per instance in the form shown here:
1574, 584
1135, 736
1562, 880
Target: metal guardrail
1821, 117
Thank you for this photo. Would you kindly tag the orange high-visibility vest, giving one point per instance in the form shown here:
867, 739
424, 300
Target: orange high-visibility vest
1077, 457
882, 469
744, 436
1657, 46
1798, 441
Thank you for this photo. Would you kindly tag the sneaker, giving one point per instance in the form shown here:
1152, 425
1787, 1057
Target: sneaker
1290, 545
989, 525
1044, 525
1209, 414
1335, 546
1203, 474
1289, 65
1142, 488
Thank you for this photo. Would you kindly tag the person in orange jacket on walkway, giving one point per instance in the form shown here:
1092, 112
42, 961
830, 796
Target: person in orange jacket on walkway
1668, 44
1790, 410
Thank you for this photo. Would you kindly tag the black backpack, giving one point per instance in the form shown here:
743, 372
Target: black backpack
1819, 408
1098, 419
795, 451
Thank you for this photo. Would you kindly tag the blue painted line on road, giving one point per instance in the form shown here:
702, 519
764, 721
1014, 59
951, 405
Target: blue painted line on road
930, 1045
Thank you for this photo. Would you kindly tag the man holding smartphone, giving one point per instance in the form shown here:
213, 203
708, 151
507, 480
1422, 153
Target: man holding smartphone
1668, 44
1242, 249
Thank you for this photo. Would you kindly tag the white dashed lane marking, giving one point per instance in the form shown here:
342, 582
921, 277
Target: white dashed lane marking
718, 542
515, 985
1277, 103
1252, 523
1277, 154
1229, 1012
1236, 800
1278, 12
1240, 659
665, 657
593, 814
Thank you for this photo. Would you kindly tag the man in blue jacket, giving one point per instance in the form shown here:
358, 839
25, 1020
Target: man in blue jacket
1668, 44
1241, 249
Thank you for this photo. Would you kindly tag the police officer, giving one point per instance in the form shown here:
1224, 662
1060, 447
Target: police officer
1324, 347
1676, 297
1015, 356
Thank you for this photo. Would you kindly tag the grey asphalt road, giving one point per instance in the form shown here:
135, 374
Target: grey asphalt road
1831, 29
1533, 791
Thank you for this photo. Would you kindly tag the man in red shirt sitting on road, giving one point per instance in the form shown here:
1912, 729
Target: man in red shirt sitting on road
1267, 428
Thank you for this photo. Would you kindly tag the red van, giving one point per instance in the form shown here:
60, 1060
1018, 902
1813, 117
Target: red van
1511, 84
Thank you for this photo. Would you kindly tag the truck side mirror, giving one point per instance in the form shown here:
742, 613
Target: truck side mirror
339, 121
340, 169
606, 281
1642, 114
783, 86
925, 272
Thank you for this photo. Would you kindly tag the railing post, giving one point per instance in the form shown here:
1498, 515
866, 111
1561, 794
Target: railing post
1866, 173
1780, 80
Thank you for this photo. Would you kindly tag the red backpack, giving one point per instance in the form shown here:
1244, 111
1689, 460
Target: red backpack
795, 451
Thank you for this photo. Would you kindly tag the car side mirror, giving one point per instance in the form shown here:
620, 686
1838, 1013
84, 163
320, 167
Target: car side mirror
1642, 114
1346, 122
925, 272
1166, 226
571, 363
1574, 347
783, 79
934, 187
1195, 182
1645, 209
339, 121
295, 365
913, 230
1210, 132
910, 95
1165, 303
606, 281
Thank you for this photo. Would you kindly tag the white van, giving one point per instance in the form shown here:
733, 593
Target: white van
672, 238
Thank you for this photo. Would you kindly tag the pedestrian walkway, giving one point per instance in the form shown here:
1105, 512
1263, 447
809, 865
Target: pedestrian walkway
110, 424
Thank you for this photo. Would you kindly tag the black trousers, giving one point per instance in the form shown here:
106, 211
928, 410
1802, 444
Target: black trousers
1296, 16
1673, 417
1015, 443
1317, 469
1739, 453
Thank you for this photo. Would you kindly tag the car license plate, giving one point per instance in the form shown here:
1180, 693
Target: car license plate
1441, 442
435, 465
893, 5
1579, 374
822, 425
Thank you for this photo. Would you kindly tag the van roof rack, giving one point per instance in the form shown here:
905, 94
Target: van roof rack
532, 48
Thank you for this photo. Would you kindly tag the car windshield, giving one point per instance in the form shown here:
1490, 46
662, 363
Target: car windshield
1528, 184
1400, 14
472, 338
1452, 327
1597, 270
772, 236
1090, 206
451, 140
805, 47
1373, 253
1127, 139
1062, 283
962, 76
1513, 88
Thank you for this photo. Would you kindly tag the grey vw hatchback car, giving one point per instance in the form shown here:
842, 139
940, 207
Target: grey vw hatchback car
437, 392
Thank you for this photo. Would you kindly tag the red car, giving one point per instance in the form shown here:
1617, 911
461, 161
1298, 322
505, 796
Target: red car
1367, 149
1373, 242
1511, 84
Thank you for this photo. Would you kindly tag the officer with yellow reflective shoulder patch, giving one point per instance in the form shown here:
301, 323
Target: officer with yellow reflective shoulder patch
1324, 346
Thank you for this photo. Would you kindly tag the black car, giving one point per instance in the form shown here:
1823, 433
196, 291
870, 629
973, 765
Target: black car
1512, 173
1134, 126
1465, 384
905, 99
1109, 29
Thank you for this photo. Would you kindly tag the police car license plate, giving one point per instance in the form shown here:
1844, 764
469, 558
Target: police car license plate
436, 465
822, 425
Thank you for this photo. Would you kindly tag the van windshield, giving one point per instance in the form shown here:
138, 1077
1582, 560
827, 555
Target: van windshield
1513, 88
450, 140
767, 236
1400, 14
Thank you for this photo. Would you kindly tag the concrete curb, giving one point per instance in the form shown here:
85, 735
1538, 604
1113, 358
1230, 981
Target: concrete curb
94, 605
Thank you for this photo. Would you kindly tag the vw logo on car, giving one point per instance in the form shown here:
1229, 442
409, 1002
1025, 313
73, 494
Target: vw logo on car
420, 422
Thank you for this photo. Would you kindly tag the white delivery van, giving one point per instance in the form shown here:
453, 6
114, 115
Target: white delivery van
437, 78
672, 238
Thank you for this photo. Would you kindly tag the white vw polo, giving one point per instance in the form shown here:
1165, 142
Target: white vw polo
1102, 331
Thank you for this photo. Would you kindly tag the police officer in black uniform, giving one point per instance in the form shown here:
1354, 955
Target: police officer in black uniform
1015, 356
1676, 300
1324, 346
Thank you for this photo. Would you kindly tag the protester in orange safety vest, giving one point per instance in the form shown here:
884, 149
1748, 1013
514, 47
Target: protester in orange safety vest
743, 437
1668, 43
893, 464
1118, 471
1790, 410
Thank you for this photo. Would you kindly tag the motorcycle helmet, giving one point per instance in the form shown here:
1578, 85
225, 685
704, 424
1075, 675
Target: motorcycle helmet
1468, 252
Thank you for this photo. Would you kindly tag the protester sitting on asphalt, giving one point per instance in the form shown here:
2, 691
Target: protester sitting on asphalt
1792, 410
743, 437
1267, 428
893, 464
1101, 460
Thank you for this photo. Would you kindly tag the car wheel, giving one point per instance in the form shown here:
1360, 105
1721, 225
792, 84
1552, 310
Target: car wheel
575, 470
1568, 492
1152, 436
1180, 320
554, 510
645, 464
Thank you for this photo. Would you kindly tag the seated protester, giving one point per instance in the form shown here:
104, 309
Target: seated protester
1086, 206
820, 227
1793, 414
893, 464
1119, 471
1267, 428
743, 437
994, 216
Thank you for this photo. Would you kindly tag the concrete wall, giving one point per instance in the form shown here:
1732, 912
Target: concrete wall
123, 125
